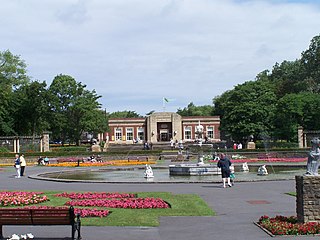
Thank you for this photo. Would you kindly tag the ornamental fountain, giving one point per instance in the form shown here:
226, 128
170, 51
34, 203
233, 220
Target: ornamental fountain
199, 168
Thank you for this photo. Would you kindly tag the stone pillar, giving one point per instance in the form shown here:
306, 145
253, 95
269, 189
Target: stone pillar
152, 129
308, 198
18, 145
251, 145
45, 141
15, 146
300, 137
176, 127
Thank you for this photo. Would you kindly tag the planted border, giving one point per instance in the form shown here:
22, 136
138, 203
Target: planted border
281, 225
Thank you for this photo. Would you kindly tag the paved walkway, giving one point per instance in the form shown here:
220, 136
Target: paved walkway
237, 208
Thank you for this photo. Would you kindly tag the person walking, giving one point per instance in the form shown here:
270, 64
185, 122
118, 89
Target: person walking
224, 163
23, 164
17, 165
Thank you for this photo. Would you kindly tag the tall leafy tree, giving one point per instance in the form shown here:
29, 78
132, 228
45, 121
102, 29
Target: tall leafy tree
74, 109
310, 61
31, 117
247, 110
288, 78
293, 110
12, 77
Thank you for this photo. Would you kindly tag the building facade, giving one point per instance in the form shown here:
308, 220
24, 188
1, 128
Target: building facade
161, 127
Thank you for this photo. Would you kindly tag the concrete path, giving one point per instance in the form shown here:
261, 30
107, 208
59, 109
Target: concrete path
237, 208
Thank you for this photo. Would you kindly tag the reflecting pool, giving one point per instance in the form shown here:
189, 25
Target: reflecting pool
133, 175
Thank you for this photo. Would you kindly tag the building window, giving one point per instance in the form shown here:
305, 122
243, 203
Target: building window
118, 134
210, 132
187, 133
129, 134
141, 133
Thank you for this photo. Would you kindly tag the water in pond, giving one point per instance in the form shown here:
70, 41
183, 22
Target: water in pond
162, 175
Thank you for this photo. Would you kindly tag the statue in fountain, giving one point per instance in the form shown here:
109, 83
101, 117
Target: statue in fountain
313, 158
262, 170
245, 167
199, 132
148, 173
200, 160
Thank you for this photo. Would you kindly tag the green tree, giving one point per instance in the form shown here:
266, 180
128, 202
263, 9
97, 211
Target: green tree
247, 110
74, 110
192, 110
12, 77
293, 110
31, 117
310, 61
288, 78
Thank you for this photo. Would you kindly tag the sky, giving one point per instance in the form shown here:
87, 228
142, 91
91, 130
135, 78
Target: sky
136, 52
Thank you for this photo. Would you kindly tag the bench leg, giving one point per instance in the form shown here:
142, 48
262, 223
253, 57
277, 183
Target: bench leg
79, 227
73, 231
76, 227
1, 235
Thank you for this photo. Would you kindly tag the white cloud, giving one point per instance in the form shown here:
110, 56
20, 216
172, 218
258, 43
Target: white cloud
134, 52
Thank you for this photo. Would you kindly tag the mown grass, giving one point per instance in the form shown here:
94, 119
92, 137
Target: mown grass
181, 205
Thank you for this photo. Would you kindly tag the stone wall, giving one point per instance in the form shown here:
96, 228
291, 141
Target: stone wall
308, 198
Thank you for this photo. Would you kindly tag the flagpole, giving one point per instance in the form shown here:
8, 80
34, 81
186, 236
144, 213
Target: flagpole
163, 104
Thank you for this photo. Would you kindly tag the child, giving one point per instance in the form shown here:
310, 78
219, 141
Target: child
232, 176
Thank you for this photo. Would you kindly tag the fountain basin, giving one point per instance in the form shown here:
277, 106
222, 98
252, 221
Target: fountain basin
193, 170
161, 175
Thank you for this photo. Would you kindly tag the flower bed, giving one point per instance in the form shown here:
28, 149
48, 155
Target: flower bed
252, 160
21, 198
281, 225
112, 200
95, 195
100, 164
84, 212
121, 203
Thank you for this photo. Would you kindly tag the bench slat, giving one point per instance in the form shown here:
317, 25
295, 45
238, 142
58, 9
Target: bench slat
16, 221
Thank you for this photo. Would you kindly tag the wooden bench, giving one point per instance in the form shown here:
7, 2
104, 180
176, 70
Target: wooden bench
58, 216
138, 158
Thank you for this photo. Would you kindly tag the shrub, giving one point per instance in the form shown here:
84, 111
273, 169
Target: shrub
4, 149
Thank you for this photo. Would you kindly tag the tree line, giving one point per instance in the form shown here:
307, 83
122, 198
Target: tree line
274, 104
277, 102
66, 107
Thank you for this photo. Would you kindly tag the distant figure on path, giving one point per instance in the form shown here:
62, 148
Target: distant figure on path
23, 164
17, 165
224, 163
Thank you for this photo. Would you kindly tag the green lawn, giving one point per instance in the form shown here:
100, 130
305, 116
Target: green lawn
181, 205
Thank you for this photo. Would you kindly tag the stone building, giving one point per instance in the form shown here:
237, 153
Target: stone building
161, 127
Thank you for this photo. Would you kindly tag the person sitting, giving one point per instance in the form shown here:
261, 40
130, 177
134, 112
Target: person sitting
99, 158
46, 161
40, 161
